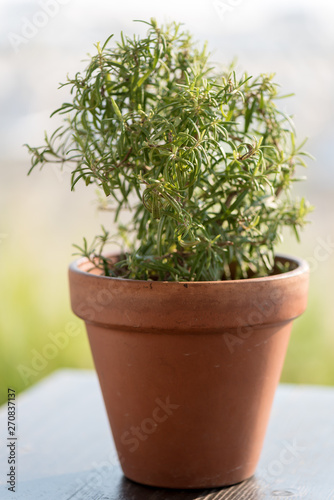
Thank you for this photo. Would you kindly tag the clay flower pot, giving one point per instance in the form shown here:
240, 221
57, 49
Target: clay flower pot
188, 371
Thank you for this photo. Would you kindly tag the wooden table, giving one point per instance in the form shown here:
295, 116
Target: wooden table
65, 449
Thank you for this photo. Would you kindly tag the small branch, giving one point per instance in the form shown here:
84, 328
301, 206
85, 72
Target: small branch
124, 159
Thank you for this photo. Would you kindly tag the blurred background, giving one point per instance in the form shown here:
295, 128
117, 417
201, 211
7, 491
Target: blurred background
40, 43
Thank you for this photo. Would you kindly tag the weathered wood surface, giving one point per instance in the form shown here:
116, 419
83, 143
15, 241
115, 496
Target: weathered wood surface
66, 451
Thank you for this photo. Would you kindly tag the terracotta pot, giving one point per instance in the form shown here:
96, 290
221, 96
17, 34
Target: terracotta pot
188, 371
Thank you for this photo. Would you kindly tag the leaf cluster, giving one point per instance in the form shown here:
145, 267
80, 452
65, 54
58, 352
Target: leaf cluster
203, 159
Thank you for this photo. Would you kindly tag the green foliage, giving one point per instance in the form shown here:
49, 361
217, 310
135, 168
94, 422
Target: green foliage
203, 159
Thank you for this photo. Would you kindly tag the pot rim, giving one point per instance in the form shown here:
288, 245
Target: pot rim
301, 268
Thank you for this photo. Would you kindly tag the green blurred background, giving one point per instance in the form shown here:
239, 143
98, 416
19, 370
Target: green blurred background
41, 218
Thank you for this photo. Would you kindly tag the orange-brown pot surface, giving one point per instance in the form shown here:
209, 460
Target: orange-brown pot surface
188, 370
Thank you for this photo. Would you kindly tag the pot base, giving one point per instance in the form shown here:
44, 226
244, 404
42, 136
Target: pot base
187, 486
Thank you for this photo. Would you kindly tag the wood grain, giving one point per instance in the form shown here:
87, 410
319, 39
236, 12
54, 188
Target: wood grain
66, 450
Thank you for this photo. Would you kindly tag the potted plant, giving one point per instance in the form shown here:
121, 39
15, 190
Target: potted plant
189, 322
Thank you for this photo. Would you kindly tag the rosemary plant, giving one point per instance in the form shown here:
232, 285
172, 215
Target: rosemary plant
203, 160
